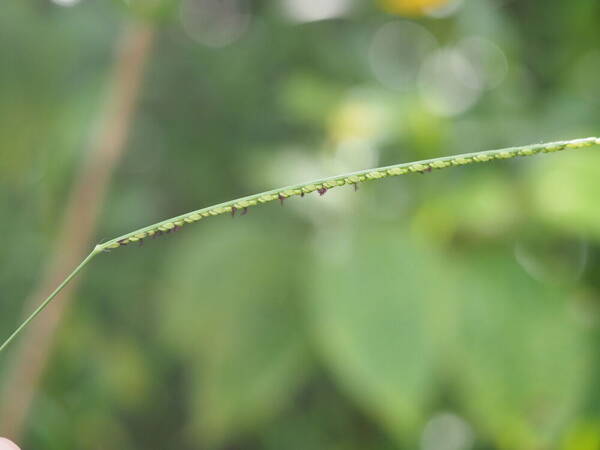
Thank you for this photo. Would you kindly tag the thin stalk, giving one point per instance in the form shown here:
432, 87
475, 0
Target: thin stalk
105, 150
321, 186
47, 301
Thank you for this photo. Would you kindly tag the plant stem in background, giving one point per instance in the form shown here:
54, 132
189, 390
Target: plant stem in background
78, 227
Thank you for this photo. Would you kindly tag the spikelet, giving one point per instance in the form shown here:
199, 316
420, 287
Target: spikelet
352, 179
321, 186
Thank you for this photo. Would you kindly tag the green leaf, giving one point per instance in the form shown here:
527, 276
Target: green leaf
229, 308
375, 321
566, 191
523, 362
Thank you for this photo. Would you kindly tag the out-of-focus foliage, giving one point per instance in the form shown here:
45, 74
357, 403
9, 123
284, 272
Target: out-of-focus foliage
452, 311
244, 336
150, 10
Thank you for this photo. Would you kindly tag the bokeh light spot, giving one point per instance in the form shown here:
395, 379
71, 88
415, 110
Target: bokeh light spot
215, 23
315, 10
447, 431
446, 10
449, 83
397, 51
65, 2
488, 59
552, 260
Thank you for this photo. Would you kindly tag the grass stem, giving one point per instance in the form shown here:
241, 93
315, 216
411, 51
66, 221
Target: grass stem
47, 301
321, 186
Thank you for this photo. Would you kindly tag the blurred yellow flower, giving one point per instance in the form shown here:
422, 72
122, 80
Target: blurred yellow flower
355, 120
411, 7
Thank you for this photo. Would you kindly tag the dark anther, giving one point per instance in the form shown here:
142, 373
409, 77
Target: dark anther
355, 187
322, 190
123, 242
141, 242
244, 211
281, 199
302, 194
422, 172
233, 210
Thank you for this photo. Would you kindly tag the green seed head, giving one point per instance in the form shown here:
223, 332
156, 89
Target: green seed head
352, 179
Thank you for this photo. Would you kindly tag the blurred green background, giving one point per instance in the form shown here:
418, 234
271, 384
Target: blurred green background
453, 311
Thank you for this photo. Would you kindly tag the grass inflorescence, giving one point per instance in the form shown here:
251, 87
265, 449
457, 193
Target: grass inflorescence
354, 179
321, 186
